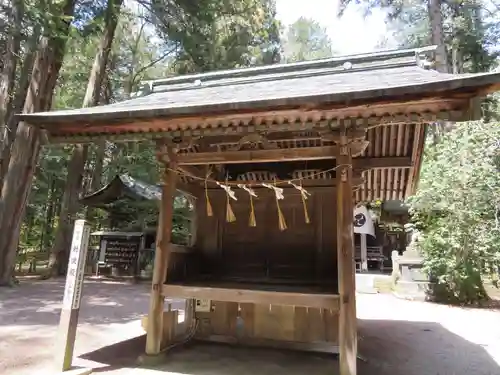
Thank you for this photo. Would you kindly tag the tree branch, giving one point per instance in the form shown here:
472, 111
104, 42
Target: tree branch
152, 63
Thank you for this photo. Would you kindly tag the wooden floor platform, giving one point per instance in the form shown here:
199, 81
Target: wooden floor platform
304, 296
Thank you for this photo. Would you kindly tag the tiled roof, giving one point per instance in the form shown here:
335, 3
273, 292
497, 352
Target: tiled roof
338, 79
122, 186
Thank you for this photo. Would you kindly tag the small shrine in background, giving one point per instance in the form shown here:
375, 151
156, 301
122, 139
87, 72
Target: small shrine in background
126, 246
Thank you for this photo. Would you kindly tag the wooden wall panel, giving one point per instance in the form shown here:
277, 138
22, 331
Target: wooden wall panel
302, 251
224, 318
269, 322
243, 250
328, 227
208, 235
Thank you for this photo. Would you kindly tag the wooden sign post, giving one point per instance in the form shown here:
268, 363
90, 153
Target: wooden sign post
72, 296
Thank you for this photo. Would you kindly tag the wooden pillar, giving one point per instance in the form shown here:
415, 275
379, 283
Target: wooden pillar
162, 255
345, 260
364, 252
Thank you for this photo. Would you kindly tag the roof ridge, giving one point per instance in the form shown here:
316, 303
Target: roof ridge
287, 75
379, 56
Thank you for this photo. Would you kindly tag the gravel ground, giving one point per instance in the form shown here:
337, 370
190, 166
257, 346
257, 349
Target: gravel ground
397, 337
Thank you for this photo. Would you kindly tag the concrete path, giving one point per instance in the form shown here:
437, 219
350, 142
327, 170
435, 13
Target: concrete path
397, 337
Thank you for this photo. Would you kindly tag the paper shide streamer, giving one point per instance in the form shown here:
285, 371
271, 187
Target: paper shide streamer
251, 194
304, 194
278, 192
229, 194
210, 212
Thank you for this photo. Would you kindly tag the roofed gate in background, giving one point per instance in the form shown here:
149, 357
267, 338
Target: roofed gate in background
344, 127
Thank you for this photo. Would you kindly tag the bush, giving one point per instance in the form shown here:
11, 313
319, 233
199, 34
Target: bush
456, 209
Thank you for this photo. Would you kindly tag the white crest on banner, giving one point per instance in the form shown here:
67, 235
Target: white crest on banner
362, 221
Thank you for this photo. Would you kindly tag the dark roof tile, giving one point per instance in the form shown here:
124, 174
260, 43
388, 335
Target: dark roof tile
331, 80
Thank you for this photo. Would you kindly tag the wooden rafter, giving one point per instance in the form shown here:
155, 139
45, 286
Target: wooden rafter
426, 108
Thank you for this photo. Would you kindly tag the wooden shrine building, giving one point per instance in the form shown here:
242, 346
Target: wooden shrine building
277, 268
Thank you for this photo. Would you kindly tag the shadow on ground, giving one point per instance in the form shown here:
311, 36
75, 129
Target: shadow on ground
388, 346
36, 302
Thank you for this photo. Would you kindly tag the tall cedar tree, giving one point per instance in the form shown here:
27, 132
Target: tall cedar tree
26, 147
60, 251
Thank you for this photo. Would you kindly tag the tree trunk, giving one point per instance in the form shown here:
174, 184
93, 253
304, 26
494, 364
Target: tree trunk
99, 164
97, 173
10, 60
26, 147
49, 215
434, 8
69, 208
19, 100
437, 34
100, 153
7, 82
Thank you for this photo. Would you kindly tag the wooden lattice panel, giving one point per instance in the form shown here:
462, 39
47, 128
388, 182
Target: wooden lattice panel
250, 321
311, 174
257, 176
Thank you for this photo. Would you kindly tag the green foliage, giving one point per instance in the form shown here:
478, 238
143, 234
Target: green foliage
457, 211
218, 34
160, 39
470, 29
306, 39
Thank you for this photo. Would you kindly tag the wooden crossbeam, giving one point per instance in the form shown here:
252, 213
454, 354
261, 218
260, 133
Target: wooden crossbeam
258, 156
326, 301
262, 156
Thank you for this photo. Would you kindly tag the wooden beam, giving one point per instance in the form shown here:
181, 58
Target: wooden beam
261, 156
345, 262
258, 156
366, 163
315, 300
162, 255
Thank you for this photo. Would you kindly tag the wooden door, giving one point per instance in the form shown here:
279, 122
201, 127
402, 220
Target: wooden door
243, 250
291, 252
